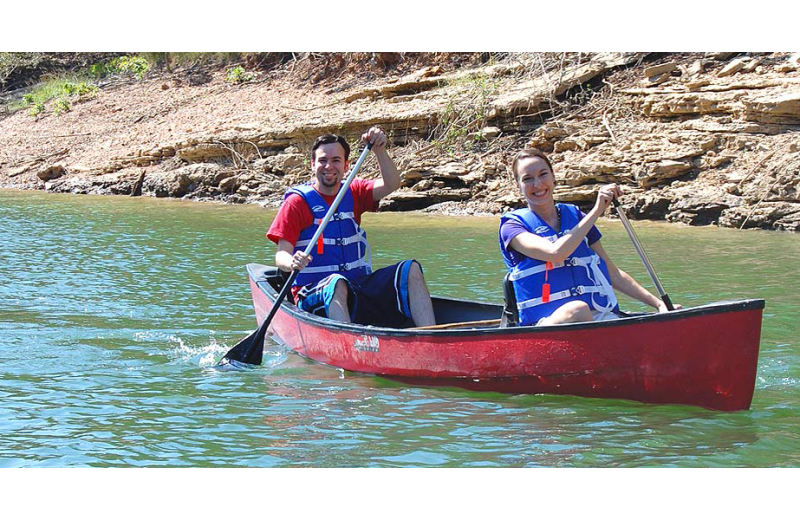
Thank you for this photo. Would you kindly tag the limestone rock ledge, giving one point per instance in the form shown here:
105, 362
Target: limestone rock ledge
694, 139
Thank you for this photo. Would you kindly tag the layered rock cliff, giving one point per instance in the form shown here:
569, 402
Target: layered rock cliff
703, 138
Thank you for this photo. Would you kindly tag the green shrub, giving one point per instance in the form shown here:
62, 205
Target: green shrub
61, 105
29, 99
135, 65
238, 75
36, 109
79, 89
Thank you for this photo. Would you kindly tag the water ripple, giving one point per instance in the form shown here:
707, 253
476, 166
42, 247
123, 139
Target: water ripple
110, 329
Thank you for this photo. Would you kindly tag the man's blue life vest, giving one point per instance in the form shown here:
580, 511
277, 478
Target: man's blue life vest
582, 276
345, 248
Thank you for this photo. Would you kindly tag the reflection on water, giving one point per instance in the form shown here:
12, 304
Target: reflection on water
114, 311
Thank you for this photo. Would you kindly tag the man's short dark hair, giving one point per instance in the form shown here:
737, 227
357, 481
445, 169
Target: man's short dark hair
330, 139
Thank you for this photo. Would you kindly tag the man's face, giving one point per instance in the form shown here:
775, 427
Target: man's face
329, 166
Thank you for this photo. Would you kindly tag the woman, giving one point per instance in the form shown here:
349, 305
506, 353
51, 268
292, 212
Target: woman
559, 270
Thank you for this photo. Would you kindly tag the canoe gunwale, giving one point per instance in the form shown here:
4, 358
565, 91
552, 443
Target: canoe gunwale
255, 272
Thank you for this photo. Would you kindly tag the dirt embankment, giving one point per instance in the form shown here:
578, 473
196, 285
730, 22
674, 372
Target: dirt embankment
693, 138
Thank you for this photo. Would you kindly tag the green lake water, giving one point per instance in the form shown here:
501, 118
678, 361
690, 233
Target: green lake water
113, 311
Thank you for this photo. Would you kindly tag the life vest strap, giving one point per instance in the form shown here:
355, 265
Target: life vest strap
337, 267
524, 273
359, 237
575, 291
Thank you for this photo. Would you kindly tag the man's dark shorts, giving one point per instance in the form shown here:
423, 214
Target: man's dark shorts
379, 299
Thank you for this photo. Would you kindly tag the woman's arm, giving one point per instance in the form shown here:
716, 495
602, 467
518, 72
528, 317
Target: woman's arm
534, 246
624, 283
540, 248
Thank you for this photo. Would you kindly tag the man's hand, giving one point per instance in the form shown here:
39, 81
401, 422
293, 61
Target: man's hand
300, 260
287, 261
390, 177
377, 137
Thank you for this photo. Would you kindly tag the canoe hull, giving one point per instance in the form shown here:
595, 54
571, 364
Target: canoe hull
706, 356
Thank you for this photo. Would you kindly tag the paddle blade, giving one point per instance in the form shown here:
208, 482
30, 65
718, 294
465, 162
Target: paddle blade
250, 350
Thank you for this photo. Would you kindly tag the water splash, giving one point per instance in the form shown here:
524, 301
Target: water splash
274, 356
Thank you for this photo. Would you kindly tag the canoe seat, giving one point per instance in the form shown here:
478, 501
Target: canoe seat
277, 278
510, 316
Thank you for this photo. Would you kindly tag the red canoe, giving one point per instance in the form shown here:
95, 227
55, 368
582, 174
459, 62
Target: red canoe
703, 356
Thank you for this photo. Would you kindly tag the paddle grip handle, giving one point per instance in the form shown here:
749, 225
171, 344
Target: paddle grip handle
667, 302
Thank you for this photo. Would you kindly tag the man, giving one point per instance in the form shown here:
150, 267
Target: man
337, 282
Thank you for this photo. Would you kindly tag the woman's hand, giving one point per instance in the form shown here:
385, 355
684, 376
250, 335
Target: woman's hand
605, 195
662, 307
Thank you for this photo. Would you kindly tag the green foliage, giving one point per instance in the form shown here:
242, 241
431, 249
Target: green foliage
99, 70
72, 86
61, 106
238, 75
190, 58
62, 89
36, 109
79, 89
465, 114
12, 61
135, 65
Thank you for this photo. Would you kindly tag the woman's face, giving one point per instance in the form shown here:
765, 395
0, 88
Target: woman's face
536, 181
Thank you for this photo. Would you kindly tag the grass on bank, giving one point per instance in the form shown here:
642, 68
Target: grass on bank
69, 87
62, 87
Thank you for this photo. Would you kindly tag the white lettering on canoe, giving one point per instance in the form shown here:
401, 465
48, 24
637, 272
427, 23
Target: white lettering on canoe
367, 343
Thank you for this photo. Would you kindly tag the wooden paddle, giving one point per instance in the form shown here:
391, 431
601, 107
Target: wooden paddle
251, 349
643, 256
461, 325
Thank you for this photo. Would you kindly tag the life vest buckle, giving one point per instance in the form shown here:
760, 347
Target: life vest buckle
579, 290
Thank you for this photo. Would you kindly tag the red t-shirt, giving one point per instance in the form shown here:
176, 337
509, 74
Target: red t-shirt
295, 215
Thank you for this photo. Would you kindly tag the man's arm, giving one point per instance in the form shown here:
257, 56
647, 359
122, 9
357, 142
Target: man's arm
285, 231
390, 177
287, 261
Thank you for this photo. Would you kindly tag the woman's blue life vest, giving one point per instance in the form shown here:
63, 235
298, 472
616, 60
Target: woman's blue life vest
583, 275
344, 244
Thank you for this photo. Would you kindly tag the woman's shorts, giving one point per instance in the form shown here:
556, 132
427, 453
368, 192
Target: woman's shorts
380, 298
596, 316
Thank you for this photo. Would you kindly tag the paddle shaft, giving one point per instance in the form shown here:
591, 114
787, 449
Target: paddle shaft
640, 250
250, 349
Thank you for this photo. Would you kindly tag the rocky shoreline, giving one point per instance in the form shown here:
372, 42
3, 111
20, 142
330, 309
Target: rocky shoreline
696, 138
